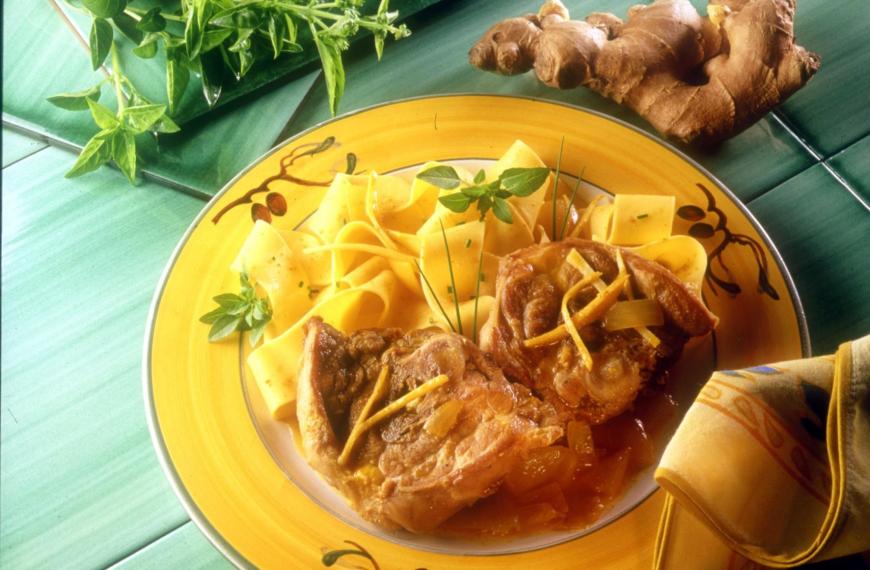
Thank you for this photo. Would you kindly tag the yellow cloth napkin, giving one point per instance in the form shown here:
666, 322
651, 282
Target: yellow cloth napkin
771, 465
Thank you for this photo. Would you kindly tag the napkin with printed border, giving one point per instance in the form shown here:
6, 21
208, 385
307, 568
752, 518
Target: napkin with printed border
771, 466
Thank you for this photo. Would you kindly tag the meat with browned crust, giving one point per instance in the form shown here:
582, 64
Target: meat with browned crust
529, 289
428, 461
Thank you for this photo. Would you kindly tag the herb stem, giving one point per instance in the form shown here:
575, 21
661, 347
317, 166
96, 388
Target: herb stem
556, 184
137, 13
434, 296
116, 78
452, 278
477, 296
571, 203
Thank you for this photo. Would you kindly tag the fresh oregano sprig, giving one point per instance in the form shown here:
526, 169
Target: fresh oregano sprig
242, 312
493, 196
218, 40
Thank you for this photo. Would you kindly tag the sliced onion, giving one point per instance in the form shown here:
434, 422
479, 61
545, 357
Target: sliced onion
632, 314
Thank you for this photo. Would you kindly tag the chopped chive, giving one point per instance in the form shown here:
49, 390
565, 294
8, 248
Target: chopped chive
434, 296
301, 284
556, 183
482, 277
642, 216
468, 243
452, 277
571, 203
477, 296
449, 290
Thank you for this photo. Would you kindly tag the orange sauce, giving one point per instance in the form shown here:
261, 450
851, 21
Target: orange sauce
560, 487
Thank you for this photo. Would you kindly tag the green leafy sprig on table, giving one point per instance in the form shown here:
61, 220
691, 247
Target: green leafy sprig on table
517, 182
208, 38
242, 312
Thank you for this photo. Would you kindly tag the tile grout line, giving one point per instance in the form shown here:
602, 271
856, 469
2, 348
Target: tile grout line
130, 554
58, 142
819, 158
26, 156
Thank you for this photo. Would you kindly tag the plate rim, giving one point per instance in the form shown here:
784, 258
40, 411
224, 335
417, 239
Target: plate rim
196, 515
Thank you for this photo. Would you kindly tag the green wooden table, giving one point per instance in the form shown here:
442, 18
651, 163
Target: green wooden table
81, 487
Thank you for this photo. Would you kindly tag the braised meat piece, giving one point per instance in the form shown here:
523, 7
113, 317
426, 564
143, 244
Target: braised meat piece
529, 290
432, 457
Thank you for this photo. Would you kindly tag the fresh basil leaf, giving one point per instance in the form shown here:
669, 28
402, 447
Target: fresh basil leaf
152, 21
77, 101
214, 38
194, 28
479, 177
148, 47
100, 41
224, 327
243, 40
96, 152
256, 334
177, 77
127, 25
484, 205
456, 202
442, 176
474, 191
246, 60
212, 316
523, 181
166, 125
227, 299
140, 118
276, 34
502, 211
124, 153
104, 8
333, 69
104, 118
290, 25
502, 194
211, 69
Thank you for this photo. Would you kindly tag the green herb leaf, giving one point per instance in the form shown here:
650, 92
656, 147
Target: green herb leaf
333, 68
177, 77
100, 41
484, 205
242, 312
152, 21
104, 8
211, 75
140, 118
442, 176
124, 153
214, 38
502, 211
128, 27
523, 181
148, 47
457, 202
97, 152
479, 177
77, 101
474, 191
198, 12
224, 327
276, 34
104, 118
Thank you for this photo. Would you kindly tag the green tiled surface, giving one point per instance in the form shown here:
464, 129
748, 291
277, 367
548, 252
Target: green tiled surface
184, 547
833, 110
854, 164
17, 146
80, 485
80, 482
436, 62
822, 233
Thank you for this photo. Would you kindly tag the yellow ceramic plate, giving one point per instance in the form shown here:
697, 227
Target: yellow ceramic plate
212, 446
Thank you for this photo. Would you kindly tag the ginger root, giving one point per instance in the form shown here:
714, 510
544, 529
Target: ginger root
694, 78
